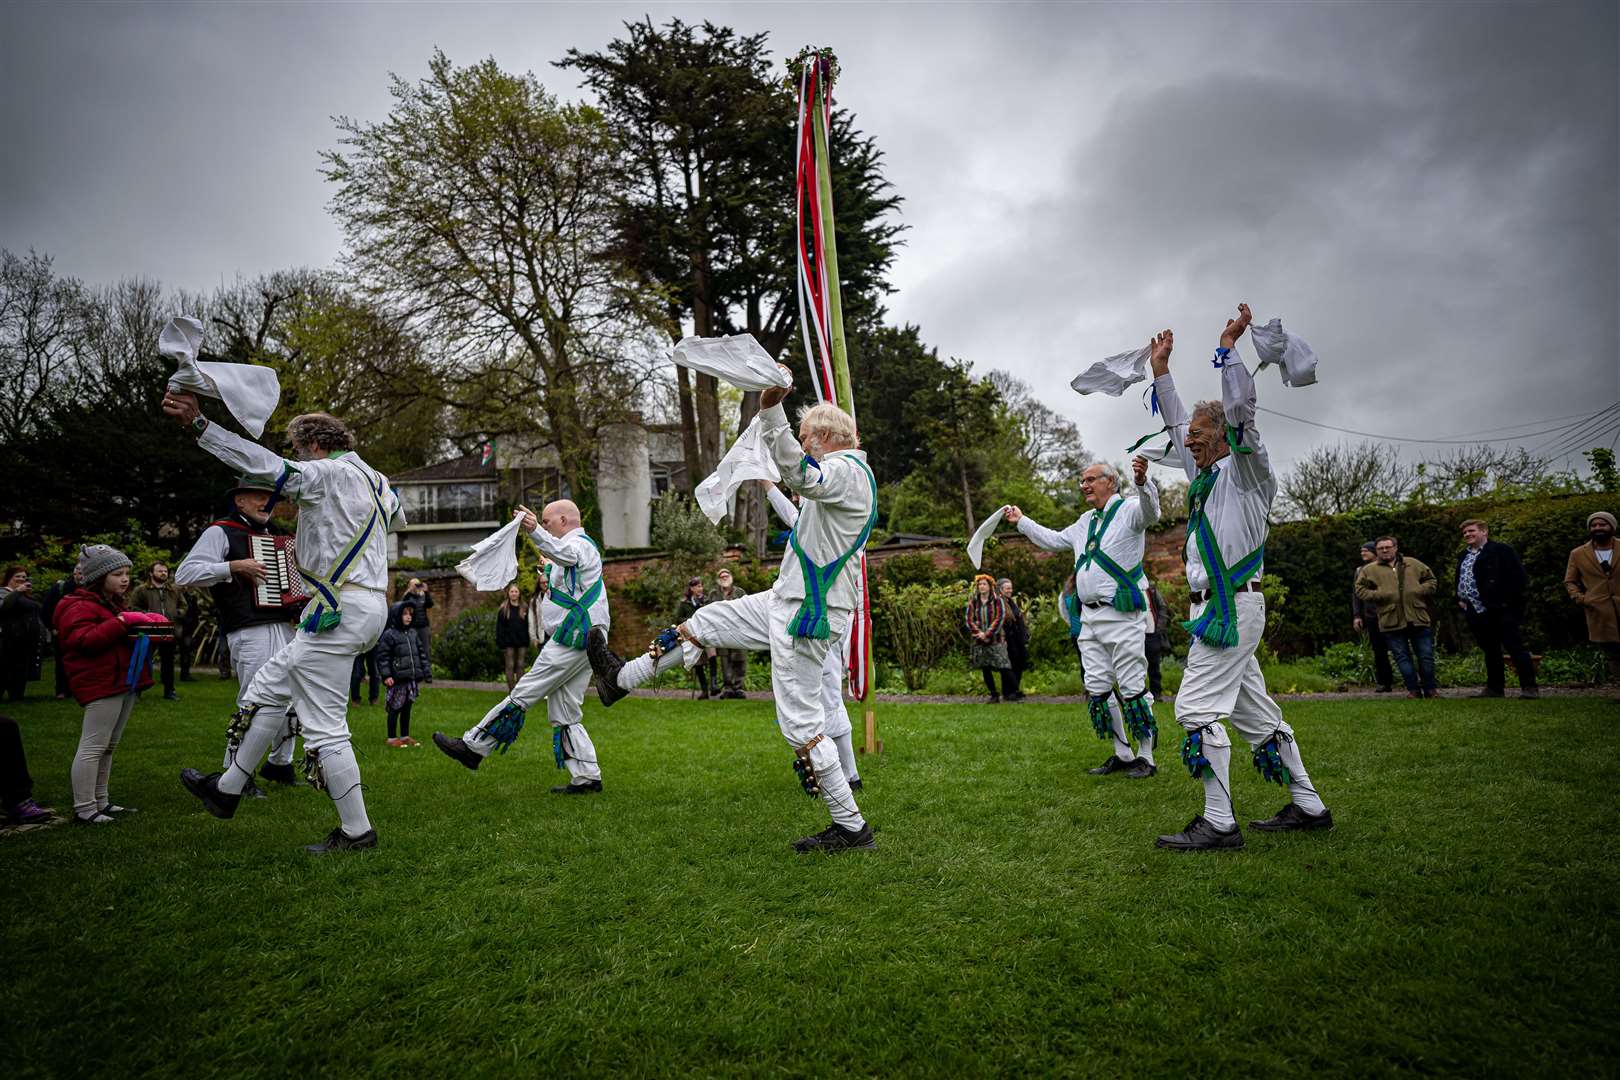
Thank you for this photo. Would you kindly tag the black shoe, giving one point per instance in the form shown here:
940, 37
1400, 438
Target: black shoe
1112, 765
1140, 769
605, 665
1380, 690
457, 750
993, 699
279, 774
338, 840
587, 788
219, 803
170, 695
1200, 835
835, 838
1530, 692
856, 785
253, 791
1488, 692
1292, 819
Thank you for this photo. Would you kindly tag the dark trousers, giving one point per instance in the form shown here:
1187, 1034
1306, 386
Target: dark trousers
165, 652
1152, 651
424, 640
1496, 631
1382, 671
15, 783
401, 717
15, 671
1012, 679
1414, 655
365, 667
1007, 678
1611, 650
708, 676
734, 668
184, 644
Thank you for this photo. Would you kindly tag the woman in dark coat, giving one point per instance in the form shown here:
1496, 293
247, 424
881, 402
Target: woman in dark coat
707, 669
986, 617
512, 635
21, 633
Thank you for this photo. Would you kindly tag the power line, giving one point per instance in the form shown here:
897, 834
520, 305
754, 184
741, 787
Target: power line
1583, 436
1554, 431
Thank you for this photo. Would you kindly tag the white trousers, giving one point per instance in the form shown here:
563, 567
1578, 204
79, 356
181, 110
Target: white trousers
560, 677
251, 648
760, 621
1112, 653
311, 672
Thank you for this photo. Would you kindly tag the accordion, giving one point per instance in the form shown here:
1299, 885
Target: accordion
283, 585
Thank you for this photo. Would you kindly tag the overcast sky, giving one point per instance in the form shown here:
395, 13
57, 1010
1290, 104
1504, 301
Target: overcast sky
1429, 193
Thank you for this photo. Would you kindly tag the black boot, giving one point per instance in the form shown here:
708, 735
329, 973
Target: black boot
584, 787
835, 838
605, 666
219, 803
457, 750
279, 774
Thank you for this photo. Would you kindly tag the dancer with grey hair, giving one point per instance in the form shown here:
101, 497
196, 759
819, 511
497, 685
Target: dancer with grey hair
1109, 598
1228, 504
346, 508
808, 608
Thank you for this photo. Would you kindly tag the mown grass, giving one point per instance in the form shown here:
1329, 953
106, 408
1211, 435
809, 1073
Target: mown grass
1016, 919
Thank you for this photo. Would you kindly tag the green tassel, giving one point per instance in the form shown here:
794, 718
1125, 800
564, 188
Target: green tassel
321, 621
1101, 722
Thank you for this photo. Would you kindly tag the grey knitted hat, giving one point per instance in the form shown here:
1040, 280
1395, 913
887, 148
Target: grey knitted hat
96, 561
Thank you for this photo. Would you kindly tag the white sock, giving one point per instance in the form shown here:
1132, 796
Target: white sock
643, 668
1144, 750
1218, 786
342, 773
254, 744
579, 755
1122, 745
1305, 796
835, 788
846, 755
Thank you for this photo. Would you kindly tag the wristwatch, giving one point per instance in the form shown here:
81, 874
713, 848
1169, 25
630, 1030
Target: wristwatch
199, 424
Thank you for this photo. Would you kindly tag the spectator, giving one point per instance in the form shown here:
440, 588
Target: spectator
421, 600
512, 634
1490, 591
21, 633
985, 615
403, 667
158, 594
48, 602
16, 786
106, 673
1017, 633
1398, 586
365, 671
705, 667
537, 625
1589, 579
733, 662
1364, 617
1157, 643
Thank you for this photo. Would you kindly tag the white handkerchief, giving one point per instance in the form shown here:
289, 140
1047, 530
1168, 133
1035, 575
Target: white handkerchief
1274, 345
1113, 375
738, 359
493, 564
975, 547
748, 459
249, 391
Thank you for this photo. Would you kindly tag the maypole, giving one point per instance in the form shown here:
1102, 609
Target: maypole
821, 309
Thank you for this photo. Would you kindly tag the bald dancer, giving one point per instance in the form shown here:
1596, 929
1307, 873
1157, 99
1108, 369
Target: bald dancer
575, 603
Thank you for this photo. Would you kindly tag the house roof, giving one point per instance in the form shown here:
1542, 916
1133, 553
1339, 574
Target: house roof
465, 467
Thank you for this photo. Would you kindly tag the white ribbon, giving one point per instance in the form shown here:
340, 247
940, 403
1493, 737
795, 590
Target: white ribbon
738, 359
975, 546
1113, 374
493, 563
748, 459
250, 392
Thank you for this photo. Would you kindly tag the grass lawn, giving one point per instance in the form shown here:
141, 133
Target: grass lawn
1015, 919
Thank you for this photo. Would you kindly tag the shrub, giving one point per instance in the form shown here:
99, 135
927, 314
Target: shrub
466, 647
918, 625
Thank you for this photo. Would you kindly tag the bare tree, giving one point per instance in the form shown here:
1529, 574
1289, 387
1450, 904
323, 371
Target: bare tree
41, 338
1471, 471
1051, 442
1347, 476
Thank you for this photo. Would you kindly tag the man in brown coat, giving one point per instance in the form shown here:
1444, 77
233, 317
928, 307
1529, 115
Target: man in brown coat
1591, 582
1400, 586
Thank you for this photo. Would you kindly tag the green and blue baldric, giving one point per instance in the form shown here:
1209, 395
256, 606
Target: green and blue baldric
1218, 625
323, 613
575, 628
810, 621
1127, 593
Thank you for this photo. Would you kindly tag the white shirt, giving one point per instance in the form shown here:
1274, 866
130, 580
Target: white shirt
206, 563
1603, 555
838, 502
335, 501
1124, 542
1240, 502
576, 565
783, 506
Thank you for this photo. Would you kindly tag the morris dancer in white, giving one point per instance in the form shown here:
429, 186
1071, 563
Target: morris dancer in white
808, 608
346, 508
576, 602
1110, 600
222, 560
839, 728
1227, 506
